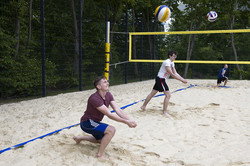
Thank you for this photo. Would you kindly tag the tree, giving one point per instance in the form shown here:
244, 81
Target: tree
30, 24
232, 37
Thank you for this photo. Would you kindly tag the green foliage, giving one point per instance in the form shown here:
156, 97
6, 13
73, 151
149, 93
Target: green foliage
245, 73
22, 77
21, 71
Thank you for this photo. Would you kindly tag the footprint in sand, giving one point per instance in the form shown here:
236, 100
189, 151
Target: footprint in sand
139, 146
221, 131
205, 125
179, 162
214, 104
152, 154
170, 104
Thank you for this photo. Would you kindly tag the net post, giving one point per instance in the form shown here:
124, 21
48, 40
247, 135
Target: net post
107, 51
43, 49
80, 44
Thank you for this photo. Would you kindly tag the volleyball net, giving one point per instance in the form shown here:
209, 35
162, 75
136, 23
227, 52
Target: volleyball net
208, 47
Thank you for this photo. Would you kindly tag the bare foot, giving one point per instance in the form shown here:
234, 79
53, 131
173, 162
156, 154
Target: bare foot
167, 115
105, 158
143, 108
77, 139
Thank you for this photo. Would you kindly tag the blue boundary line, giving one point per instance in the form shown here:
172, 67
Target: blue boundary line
56, 131
224, 86
45, 135
190, 86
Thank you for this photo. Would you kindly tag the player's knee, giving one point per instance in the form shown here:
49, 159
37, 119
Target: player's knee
111, 130
168, 95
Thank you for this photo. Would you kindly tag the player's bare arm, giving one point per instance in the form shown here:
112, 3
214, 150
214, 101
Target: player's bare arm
118, 111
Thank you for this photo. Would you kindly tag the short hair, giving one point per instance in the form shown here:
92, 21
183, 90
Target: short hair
171, 53
97, 80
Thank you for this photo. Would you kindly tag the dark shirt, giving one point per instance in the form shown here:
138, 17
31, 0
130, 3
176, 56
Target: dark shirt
221, 71
94, 101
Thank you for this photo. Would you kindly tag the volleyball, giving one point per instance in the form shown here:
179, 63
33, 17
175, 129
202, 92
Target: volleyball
162, 13
212, 16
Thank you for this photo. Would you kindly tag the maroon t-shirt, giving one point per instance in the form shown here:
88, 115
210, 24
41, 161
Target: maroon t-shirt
94, 101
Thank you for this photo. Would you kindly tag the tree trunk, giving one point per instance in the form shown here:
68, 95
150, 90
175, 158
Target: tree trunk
189, 52
232, 41
30, 19
134, 43
150, 40
76, 37
191, 43
17, 34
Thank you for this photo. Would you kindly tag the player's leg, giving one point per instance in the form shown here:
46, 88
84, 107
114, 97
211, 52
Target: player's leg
89, 138
218, 82
108, 135
149, 97
92, 127
225, 82
165, 103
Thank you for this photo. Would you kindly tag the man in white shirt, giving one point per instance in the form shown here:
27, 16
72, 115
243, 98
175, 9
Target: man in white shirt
167, 69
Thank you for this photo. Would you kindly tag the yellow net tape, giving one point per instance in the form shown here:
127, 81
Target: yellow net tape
186, 32
192, 32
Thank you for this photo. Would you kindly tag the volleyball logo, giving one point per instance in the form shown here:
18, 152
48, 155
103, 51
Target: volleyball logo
162, 13
212, 16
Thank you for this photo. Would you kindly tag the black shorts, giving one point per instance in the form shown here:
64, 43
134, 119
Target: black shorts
221, 79
160, 85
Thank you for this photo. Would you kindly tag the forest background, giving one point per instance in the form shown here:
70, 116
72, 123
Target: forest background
21, 44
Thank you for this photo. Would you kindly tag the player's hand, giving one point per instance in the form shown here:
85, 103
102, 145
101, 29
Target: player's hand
184, 81
132, 124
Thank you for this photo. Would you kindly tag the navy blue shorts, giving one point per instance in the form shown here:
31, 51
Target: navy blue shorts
221, 79
160, 84
95, 128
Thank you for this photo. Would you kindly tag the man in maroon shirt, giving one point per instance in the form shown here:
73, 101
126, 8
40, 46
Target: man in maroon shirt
97, 107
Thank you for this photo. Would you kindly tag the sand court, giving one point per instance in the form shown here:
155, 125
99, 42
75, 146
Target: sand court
209, 126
